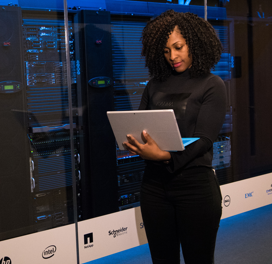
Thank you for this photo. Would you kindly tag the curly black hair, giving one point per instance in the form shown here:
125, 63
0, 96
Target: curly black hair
203, 43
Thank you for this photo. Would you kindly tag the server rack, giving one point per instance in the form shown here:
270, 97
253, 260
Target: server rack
99, 184
107, 73
14, 148
130, 78
48, 120
37, 186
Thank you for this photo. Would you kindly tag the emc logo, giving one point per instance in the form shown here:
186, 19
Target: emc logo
247, 195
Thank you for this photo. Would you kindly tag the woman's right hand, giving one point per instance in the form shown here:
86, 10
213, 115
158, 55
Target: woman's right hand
148, 151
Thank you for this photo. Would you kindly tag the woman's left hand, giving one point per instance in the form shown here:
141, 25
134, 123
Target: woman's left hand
149, 151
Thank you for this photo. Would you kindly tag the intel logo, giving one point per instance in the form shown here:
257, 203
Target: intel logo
49, 252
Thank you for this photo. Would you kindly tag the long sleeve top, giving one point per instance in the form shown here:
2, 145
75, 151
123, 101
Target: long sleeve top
199, 105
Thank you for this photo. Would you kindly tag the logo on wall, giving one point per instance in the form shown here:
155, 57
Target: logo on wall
88, 240
227, 200
5, 260
269, 191
118, 232
49, 252
248, 195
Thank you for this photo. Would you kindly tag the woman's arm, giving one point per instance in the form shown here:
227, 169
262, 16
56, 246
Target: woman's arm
208, 125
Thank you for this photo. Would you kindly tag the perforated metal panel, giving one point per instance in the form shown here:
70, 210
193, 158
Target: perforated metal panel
129, 72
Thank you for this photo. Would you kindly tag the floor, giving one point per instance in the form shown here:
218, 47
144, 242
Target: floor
242, 239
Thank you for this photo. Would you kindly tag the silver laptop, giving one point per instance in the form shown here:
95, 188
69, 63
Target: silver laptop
161, 125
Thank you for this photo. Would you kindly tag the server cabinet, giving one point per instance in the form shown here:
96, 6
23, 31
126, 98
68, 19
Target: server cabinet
130, 78
98, 183
48, 120
15, 168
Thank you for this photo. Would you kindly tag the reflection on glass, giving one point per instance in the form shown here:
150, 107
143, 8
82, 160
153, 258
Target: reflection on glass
182, 2
111, 181
48, 119
250, 27
36, 173
108, 73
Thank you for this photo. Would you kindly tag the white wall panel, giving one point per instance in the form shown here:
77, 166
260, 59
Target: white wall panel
109, 234
246, 195
56, 245
106, 235
238, 197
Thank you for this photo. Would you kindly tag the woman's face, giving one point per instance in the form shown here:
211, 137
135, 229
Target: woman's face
176, 52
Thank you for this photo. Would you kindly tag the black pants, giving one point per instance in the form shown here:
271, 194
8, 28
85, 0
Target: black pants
185, 211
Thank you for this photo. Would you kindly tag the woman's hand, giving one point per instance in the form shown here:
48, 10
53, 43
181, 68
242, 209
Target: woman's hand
148, 151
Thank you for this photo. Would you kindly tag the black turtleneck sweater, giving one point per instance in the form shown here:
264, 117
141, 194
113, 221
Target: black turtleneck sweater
200, 107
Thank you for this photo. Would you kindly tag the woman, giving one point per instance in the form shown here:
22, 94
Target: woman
180, 195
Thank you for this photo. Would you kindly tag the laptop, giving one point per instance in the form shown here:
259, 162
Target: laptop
161, 125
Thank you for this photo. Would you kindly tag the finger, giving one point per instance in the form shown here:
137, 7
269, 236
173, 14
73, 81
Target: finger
133, 141
143, 136
127, 148
146, 137
130, 147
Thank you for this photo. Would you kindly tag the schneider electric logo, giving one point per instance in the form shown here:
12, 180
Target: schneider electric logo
248, 195
49, 252
5, 260
88, 240
118, 232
